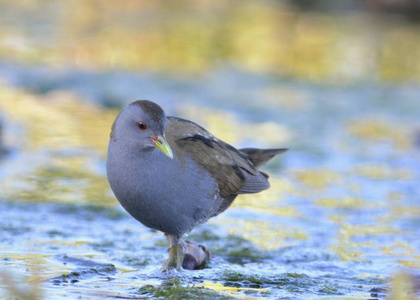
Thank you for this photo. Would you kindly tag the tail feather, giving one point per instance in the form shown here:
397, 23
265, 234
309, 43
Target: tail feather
258, 157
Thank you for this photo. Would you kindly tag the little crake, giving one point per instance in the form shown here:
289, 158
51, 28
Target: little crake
172, 175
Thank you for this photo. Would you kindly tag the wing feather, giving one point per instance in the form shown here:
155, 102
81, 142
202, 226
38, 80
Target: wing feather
232, 170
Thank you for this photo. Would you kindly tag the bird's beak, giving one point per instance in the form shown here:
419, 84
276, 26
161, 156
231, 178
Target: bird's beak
162, 144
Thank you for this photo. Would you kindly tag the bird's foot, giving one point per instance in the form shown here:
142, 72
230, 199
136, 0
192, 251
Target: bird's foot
176, 256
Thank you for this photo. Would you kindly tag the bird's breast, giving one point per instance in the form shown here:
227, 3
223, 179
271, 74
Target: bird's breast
162, 193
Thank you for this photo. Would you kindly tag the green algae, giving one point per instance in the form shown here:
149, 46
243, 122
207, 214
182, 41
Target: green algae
294, 283
173, 289
84, 273
239, 250
260, 281
374, 280
104, 244
237, 279
328, 290
203, 236
135, 261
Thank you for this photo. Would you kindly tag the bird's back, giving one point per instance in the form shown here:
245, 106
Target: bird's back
234, 171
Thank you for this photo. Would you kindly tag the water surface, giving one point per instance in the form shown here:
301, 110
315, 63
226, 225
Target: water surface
342, 217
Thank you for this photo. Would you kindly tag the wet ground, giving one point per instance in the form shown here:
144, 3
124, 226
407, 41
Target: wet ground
339, 88
340, 221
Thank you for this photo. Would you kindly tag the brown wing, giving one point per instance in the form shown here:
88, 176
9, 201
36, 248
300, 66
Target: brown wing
231, 169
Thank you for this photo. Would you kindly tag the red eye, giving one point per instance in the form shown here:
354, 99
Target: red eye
142, 125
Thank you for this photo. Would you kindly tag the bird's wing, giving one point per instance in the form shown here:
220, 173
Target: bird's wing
232, 170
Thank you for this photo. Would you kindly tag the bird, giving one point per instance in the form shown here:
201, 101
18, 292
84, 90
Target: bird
172, 175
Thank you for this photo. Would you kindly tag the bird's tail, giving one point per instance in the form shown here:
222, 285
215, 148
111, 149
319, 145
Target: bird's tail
258, 157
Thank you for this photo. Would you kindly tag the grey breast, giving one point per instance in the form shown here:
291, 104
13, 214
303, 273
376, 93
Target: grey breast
172, 196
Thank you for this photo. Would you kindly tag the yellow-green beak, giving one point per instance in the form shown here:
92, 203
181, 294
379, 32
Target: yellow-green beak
162, 144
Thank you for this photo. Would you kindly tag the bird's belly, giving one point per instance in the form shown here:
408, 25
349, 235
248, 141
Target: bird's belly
164, 194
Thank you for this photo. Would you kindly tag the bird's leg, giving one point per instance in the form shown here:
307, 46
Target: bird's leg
176, 254
180, 250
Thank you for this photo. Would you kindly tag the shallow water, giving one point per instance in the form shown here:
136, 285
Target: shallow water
340, 219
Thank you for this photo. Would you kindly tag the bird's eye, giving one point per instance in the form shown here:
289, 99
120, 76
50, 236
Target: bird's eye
142, 125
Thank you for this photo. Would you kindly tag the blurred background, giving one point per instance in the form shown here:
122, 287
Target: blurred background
337, 82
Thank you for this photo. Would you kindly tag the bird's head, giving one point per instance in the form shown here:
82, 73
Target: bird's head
142, 125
